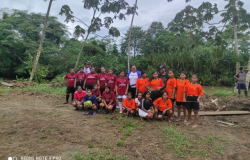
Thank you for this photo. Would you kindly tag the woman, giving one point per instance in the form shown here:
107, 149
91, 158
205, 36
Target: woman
92, 98
108, 100
102, 79
147, 108
80, 78
96, 92
155, 86
70, 80
193, 91
91, 79
133, 76
171, 87
164, 107
142, 83
121, 88
78, 97
138, 102
129, 105
180, 84
111, 80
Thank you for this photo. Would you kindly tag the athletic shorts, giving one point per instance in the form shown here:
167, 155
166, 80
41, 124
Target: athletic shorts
192, 103
161, 113
173, 100
241, 86
79, 83
70, 90
124, 96
181, 104
90, 86
78, 102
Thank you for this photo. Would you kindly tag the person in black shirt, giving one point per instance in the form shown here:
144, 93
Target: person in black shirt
164, 76
146, 109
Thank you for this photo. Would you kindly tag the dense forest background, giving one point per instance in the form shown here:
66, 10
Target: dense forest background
212, 59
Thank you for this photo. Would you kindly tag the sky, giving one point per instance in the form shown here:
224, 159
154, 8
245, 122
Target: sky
148, 11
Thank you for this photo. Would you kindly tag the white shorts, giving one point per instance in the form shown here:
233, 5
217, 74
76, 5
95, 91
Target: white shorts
123, 97
78, 102
142, 113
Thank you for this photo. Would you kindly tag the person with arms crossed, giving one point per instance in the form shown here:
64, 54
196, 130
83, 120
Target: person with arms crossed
241, 80
70, 80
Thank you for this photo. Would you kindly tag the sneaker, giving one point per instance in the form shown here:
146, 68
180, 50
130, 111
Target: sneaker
98, 110
94, 113
71, 102
120, 111
105, 112
87, 113
65, 102
76, 108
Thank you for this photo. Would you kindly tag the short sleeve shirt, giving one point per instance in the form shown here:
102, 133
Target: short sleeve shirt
92, 99
180, 87
102, 79
111, 81
242, 76
81, 76
141, 85
129, 104
163, 105
79, 96
156, 83
193, 90
108, 97
147, 104
122, 85
171, 84
96, 93
92, 78
71, 79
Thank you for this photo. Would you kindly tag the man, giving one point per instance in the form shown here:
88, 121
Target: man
241, 77
164, 76
87, 68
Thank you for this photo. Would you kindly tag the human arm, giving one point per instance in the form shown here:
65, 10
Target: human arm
184, 97
236, 76
127, 89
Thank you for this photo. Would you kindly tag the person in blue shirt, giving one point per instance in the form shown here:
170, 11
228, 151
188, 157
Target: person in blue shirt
133, 76
92, 98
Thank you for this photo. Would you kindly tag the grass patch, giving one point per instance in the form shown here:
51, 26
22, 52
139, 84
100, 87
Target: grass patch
97, 156
224, 93
91, 146
120, 143
5, 89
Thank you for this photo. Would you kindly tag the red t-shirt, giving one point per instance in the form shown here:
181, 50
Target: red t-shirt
102, 79
79, 96
111, 81
71, 79
81, 76
92, 78
122, 85
108, 96
96, 93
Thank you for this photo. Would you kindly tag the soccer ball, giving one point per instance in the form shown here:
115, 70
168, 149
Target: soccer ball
88, 104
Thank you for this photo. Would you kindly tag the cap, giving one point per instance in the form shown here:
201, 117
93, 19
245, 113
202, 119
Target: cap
241, 68
86, 63
162, 66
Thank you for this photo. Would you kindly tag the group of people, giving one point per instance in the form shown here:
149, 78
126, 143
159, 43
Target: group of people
135, 94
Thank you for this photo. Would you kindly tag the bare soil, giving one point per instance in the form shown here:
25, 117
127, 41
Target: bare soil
38, 124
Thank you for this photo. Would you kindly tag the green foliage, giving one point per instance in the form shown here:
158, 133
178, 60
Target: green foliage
224, 93
120, 143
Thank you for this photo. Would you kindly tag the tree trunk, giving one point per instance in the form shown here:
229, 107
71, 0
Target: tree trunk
248, 74
41, 43
236, 48
79, 55
130, 30
134, 52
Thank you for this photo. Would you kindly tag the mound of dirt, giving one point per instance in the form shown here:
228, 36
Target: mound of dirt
18, 84
212, 103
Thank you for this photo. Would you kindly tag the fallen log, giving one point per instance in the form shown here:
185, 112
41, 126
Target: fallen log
7, 84
216, 113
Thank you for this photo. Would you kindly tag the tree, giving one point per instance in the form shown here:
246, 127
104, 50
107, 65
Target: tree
41, 43
154, 29
99, 8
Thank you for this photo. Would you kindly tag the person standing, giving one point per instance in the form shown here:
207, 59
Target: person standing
102, 79
111, 80
241, 80
121, 87
142, 83
70, 80
163, 76
155, 85
91, 79
133, 76
87, 67
80, 78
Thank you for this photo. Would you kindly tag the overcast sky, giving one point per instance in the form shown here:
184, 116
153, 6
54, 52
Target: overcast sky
148, 10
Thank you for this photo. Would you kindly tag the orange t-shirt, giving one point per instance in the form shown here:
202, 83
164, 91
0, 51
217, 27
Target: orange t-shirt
193, 90
163, 105
129, 104
141, 85
171, 84
180, 87
156, 83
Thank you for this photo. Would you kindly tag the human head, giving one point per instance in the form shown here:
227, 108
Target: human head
147, 94
194, 78
93, 70
163, 68
139, 95
171, 73
81, 69
79, 89
89, 93
143, 74
72, 71
110, 71
129, 95
86, 64
122, 73
183, 75
241, 69
165, 96
133, 68
155, 74
107, 88
103, 69
95, 86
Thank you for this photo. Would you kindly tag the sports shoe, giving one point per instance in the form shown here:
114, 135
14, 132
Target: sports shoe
120, 111
76, 108
94, 113
87, 113
71, 102
105, 112
65, 102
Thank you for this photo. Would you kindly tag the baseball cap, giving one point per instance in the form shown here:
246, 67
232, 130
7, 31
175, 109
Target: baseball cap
162, 66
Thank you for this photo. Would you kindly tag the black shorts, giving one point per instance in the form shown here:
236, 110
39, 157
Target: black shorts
161, 113
132, 91
70, 90
173, 100
181, 104
102, 90
79, 83
90, 86
192, 103
155, 95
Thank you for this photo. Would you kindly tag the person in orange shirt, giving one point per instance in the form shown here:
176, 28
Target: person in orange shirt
164, 107
155, 85
171, 87
142, 83
180, 84
129, 105
193, 91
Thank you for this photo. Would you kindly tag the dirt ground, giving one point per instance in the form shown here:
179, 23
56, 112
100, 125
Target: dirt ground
38, 124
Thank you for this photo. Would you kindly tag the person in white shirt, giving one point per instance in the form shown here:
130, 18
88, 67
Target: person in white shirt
133, 76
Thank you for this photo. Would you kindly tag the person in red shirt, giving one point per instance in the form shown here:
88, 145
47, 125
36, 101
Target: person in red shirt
96, 92
180, 84
102, 79
171, 87
155, 85
164, 107
70, 80
142, 83
108, 100
193, 91
121, 87
80, 78
129, 105
91, 79
111, 80
78, 97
